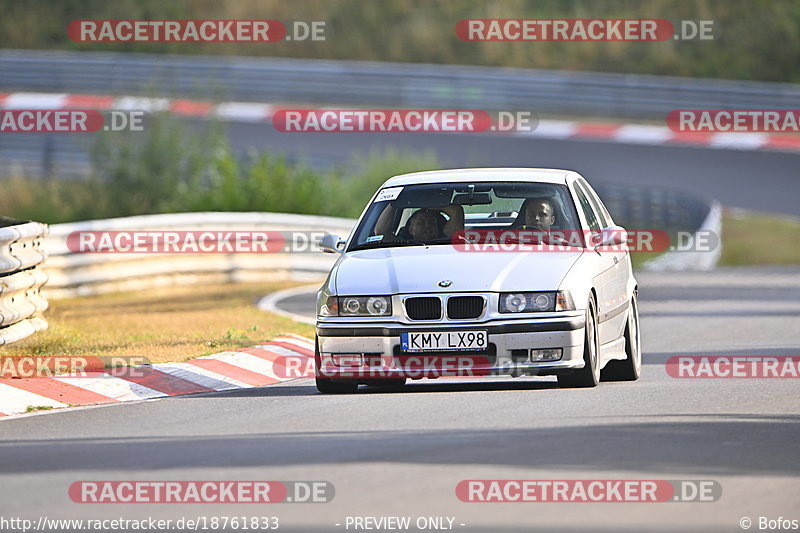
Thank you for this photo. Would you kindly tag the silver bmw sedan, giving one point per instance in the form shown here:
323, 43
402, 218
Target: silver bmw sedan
479, 272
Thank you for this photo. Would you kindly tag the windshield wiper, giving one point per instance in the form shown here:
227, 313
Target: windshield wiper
383, 244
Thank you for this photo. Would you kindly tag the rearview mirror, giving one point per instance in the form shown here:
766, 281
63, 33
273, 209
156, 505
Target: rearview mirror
331, 244
480, 198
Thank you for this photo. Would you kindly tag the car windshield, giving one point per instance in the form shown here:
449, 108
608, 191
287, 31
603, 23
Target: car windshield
432, 214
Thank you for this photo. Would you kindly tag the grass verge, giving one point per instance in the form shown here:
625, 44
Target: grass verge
749, 239
35, 408
167, 325
758, 239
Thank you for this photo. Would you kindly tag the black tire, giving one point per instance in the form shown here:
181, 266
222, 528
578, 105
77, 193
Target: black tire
589, 375
328, 385
631, 368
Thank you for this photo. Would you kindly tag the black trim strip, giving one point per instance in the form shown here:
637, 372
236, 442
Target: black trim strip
535, 327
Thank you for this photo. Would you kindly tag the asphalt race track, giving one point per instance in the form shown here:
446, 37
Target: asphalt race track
402, 453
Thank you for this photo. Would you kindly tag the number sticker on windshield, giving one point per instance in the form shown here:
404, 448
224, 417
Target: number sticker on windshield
388, 194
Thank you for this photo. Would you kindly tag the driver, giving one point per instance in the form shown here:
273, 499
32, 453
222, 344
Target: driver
539, 214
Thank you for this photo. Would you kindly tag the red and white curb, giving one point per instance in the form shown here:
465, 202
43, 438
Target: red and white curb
250, 367
549, 129
236, 111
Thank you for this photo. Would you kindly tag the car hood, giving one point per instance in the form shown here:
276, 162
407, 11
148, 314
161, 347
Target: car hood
420, 269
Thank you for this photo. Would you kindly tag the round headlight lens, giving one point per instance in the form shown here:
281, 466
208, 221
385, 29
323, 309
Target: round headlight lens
516, 302
542, 302
351, 305
377, 306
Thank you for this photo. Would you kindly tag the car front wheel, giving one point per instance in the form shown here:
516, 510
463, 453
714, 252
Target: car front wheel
589, 375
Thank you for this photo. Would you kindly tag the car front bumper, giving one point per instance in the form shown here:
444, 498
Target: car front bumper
509, 342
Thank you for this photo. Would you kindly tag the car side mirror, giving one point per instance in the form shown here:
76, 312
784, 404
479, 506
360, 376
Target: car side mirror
332, 244
613, 236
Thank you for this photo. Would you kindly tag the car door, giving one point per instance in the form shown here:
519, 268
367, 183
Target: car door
613, 319
604, 265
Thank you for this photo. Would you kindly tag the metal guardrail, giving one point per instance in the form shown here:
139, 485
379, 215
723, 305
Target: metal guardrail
695, 259
388, 84
654, 208
21, 278
78, 274
44, 155
671, 211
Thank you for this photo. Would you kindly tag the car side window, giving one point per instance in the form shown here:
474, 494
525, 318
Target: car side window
588, 212
595, 202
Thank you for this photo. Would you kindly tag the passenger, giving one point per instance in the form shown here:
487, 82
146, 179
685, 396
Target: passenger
424, 225
429, 224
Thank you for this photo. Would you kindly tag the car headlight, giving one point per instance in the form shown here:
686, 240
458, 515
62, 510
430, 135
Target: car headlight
365, 306
533, 302
327, 304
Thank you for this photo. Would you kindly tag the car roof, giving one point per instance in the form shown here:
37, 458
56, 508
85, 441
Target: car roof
538, 175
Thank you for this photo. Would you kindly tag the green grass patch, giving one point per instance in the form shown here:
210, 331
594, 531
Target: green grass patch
180, 323
34, 408
638, 259
759, 239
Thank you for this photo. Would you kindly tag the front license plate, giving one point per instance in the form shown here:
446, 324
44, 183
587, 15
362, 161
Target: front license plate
439, 341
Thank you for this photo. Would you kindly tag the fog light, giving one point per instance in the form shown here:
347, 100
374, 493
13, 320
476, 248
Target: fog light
550, 354
347, 359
